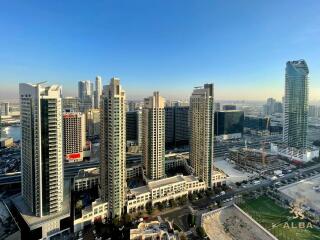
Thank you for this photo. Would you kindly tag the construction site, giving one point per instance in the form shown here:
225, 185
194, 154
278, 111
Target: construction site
257, 160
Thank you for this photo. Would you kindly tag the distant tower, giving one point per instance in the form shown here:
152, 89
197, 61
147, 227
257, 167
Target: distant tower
85, 94
296, 104
201, 114
113, 147
153, 136
6, 108
98, 92
41, 148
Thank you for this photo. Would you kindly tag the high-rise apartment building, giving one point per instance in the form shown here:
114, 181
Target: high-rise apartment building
93, 122
272, 106
70, 104
41, 148
85, 94
98, 92
296, 104
5, 108
153, 136
201, 114
132, 106
74, 136
217, 107
113, 147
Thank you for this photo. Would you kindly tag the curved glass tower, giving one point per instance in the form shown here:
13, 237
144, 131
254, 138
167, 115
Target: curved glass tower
296, 104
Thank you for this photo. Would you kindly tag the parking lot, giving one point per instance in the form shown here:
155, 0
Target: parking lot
234, 175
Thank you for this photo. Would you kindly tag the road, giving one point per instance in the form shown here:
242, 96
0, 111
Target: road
204, 203
70, 170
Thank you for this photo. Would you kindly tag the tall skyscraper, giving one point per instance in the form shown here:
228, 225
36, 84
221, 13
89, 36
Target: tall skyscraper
296, 104
202, 132
217, 107
74, 136
93, 122
113, 147
5, 108
86, 96
41, 148
98, 92
153, 136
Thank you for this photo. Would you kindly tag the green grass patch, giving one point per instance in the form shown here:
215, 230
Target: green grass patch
278, 220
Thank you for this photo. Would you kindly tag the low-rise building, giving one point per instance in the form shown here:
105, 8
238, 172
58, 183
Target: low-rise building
162, 190
294, 154
154, 230
86, 179
6, 142
219, 178
97, 211
176, 160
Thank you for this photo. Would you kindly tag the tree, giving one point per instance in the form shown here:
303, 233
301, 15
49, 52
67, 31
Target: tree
224, 187
160, 206
183, 236
209, 193
116, 221
183, 200
217, 190
191, 220
149, 208
172, 203
201, 232
192, 196
126, 218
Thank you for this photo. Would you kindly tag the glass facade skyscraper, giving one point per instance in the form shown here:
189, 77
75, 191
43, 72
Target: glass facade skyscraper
296, 104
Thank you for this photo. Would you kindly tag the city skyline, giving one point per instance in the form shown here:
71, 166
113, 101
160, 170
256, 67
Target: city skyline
160, 119
153, 46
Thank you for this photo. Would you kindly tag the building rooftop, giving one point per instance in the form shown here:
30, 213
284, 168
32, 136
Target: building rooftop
89, 172
140, 190
165, 181
162, 182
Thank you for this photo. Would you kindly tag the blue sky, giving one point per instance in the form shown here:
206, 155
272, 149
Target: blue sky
171, 46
